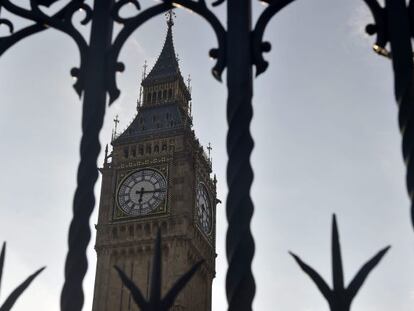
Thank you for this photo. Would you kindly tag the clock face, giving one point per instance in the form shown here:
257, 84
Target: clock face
203, 209
142, 192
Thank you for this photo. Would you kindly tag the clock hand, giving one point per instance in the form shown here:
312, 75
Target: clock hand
142, 191
155, 190
140, 194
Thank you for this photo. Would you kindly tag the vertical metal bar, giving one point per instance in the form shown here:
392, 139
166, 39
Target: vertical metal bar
240, 285
72, 297
399, 33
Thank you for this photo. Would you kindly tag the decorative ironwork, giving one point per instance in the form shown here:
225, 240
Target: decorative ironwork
156, 302
95, 77
340, 298
62, 20
12, 298
240, 46
240, 284
259, 46
394, 24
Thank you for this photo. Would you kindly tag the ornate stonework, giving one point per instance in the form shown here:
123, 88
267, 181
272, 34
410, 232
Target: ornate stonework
157, 176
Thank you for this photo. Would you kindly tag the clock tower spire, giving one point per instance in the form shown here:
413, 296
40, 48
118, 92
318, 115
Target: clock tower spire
157, 176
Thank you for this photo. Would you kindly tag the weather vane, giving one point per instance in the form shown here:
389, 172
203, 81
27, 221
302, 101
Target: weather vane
170, 17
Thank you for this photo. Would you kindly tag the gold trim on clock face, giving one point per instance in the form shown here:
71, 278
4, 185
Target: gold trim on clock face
204, 211
141, 192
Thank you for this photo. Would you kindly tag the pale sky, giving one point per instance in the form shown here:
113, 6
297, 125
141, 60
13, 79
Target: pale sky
326, 141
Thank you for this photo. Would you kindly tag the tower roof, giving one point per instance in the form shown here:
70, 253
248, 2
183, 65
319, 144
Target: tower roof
166, 68
153, 120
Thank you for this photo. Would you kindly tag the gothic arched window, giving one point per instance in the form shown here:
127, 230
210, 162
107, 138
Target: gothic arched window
164, 94
169, 93
156, 149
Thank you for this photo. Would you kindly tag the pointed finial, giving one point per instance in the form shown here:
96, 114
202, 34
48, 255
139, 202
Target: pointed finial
116, 121
170, 18
189, 83
144, 74
106, 155
209, 148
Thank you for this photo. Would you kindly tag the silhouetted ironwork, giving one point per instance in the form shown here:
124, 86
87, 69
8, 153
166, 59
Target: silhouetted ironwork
240, 284
90, 81
394, 24
156, 302
340, 297
259, 46
240, 46
12, 298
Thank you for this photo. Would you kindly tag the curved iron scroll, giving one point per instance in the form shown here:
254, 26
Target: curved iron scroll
258, 45
62, 21
94, 58
394, 24
133, 23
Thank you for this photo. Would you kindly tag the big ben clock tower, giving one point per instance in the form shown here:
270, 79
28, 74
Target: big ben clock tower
157, 176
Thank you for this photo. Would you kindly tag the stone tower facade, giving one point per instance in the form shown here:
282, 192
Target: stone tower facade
157, 176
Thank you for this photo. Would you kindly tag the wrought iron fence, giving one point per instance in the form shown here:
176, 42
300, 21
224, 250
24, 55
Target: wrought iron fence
240, 47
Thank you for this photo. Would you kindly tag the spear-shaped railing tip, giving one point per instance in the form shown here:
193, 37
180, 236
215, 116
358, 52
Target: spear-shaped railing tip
340, 298
12, 298
155, 302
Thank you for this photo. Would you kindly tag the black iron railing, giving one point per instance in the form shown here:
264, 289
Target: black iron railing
240, 47
15, 294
